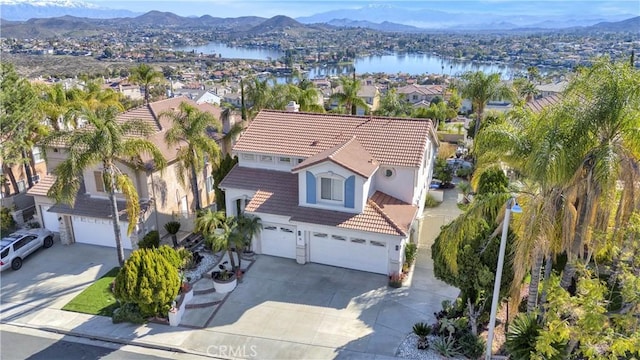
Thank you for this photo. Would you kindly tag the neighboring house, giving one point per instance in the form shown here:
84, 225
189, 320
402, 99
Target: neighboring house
131, 91
340, 190
13, 196
554, 88
199, 96
162, 198
369, 93
421, 93
233, 99
537, 105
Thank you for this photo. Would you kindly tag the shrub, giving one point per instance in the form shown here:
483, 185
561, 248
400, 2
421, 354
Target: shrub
128, 312
410, 253
148, 280
430, 201
521, 338
7, 224
172, 227
471, 346
177, 258
150, 241
446, 346
395, 280
422, 330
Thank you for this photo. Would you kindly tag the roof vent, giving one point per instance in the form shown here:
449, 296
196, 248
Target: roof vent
292, 106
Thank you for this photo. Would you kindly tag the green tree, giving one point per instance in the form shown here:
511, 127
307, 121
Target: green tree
393, 104
220, 171
147, 77
148, 280
220, 232
189, 131
257, 95
347, 95
307, 96
480, 88
525, 90
104, 142
21, 126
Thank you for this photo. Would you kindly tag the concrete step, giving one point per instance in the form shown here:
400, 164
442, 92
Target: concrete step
205, 300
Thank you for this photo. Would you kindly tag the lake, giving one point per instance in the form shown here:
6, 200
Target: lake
413, 64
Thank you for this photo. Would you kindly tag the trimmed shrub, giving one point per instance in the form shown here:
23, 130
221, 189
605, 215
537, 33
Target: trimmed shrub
174, 257
471, 346
430, 201
410, 253
148, 280
150, 241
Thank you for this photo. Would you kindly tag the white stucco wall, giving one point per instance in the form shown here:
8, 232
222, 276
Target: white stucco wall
260, 161
325, 168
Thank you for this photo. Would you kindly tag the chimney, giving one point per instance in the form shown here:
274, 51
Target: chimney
292, 106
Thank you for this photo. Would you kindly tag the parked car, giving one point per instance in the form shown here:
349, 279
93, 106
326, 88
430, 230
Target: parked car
17, 246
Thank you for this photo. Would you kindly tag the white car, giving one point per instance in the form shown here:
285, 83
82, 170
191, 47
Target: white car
17, 246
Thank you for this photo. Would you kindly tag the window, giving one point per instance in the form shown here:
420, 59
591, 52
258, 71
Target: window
284, 160
388, 173
38, 156
338, 237
287, 230
21, 186
266, 158
320, 235
378, 243
5, 252
210, 183
331, 189
358, 241
97, 175
249, 157
270, 227
300, 161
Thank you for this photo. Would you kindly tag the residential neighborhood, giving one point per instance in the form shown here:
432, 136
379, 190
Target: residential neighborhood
171, 204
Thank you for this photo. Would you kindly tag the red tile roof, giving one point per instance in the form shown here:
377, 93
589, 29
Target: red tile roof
350, 155
391, 141
276, 192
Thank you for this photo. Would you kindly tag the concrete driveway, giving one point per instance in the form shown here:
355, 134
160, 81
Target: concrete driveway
283, 310
49, 278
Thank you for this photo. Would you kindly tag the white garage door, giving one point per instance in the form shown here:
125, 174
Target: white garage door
352, 253
279, 240
95, 231
50, 219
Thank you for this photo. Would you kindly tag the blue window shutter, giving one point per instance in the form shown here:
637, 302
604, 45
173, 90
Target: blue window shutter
350, 192
311, 188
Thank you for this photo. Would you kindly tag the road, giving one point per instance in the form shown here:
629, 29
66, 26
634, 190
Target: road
21, 343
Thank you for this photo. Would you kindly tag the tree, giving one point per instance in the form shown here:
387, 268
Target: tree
248, 227
220, 171
525, 90
257, 94
347, 95
104, 142
307, 96
21, 126
220, 232
190, 131
146, 76
480, 88
393, 104
148, 280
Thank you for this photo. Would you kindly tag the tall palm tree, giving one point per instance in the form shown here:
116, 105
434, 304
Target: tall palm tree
347, 95
104, 142
221, 231
146, 76
307, 95
257, 94
190, 132
57, 106
248, 227
525, 90
480, 88
604, 103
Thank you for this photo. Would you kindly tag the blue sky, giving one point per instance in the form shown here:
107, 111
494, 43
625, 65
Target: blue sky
268, 8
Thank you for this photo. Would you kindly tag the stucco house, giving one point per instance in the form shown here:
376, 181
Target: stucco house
340, 190
162, 198
421, 93
370, 94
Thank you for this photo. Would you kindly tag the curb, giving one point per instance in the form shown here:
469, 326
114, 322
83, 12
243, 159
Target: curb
175, 349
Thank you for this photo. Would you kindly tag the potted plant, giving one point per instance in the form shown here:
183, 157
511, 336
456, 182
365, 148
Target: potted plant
395, 280
248, 226
172, 227
422, 330
224, 280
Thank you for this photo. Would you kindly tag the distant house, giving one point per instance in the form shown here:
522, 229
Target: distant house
369, 93
131, 91
549, 89
417, 93
539, 104
333, 189
199, 96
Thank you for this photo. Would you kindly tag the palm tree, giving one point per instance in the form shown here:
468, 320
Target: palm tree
190, 132
257, 94
145, 76
347, 95
525, 90
393, 104
248, 227
220, 231
307, 95
57, 106
480, 88
604, 104
104, 142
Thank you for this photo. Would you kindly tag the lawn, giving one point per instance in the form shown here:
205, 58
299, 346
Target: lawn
97, 299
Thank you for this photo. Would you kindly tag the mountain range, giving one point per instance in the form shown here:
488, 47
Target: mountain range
411, 17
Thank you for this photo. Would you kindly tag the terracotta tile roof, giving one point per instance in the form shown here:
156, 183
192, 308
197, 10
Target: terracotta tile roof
391, 141
276, 192
428, 90
350, 155
538, 105
43, 186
